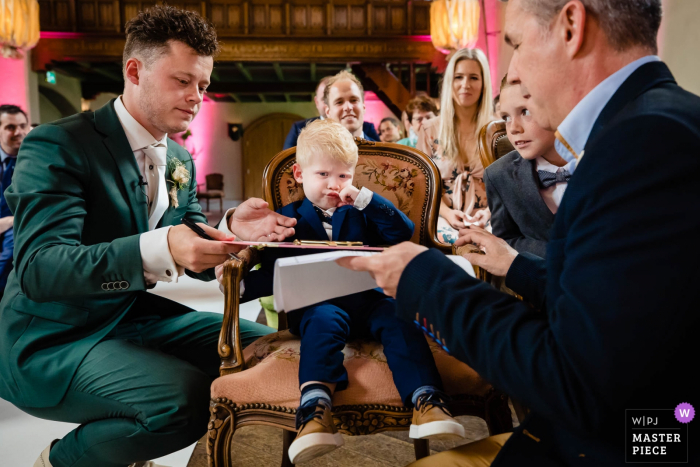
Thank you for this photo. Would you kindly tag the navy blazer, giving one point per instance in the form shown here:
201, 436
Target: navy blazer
4, 183
620, 322
379, 224
519, 215
293, 135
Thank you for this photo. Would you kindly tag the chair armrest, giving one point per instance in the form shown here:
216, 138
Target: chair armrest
230, 347
481, 274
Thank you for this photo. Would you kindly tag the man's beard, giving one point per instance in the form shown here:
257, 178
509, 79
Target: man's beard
153, 109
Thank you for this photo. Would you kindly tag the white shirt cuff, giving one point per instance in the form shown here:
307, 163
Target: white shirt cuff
223, 225
158, 263
363, 198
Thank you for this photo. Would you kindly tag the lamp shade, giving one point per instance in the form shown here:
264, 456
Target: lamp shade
19, 26
454, 24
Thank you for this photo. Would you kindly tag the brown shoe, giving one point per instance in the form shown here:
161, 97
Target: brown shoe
316, 433
433, 420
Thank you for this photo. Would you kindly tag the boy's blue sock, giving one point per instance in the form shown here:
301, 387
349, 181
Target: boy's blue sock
314, 391
422, 390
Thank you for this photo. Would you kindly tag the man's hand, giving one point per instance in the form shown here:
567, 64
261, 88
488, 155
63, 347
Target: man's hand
480, 218
192, 252
254, 221
6, 223
499, 255
386, 267
348, 195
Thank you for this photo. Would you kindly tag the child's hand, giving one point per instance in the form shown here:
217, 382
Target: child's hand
480, 218
348, 195
456, 219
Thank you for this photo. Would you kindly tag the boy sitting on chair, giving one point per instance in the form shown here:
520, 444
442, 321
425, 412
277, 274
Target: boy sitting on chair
334, 209
524, 187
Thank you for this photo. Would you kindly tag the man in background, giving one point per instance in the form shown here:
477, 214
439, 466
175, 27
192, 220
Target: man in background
291, 139
14, 126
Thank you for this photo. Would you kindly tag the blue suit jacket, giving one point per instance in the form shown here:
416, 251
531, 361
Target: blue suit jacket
293, 134
380, 223
620, 322
4, 183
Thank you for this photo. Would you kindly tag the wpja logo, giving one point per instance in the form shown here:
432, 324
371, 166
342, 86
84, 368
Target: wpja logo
655, 436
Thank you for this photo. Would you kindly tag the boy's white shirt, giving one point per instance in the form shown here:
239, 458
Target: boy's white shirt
553, 195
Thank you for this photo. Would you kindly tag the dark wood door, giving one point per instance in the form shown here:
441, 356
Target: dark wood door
262, 140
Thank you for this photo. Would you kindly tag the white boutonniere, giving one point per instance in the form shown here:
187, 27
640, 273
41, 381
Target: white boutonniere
180, 179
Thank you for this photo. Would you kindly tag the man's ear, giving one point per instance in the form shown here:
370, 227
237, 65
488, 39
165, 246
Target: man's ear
132, 70
296, 171
327, 109
572, 26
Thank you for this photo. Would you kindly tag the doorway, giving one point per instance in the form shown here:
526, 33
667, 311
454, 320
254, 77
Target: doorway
262, 140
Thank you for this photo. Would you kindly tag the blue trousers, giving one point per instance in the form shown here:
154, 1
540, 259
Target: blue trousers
8, 247
326, 327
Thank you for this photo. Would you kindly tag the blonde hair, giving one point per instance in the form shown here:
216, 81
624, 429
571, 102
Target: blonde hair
342, 76
326, 138
447, 134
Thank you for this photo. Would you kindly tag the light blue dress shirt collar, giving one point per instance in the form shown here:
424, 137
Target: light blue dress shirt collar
577, 126
3, 155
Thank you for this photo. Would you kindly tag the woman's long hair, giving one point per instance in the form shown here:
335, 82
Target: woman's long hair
447, 135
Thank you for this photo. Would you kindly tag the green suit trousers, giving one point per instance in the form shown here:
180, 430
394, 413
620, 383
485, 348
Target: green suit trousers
142, 392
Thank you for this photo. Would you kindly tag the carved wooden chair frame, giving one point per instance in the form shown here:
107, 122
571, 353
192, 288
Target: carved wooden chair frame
227, 416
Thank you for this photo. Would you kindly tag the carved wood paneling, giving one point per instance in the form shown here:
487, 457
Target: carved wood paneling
253, 18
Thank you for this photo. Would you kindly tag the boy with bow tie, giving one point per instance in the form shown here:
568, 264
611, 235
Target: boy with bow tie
524, 187
334, 209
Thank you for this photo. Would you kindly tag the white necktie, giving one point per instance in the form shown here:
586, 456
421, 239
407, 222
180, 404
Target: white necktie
156, 158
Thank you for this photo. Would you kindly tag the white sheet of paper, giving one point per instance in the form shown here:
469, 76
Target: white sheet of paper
304, 280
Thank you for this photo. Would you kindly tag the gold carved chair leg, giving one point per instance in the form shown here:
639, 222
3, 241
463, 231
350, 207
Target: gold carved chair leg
287, 439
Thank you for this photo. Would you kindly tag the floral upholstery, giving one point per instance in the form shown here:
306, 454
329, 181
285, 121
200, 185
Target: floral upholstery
272, 373
396, 178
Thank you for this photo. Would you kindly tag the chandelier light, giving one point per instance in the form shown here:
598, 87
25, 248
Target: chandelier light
454, 24
19, 26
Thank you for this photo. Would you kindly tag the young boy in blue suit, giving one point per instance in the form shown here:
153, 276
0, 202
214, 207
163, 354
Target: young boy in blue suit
334, 209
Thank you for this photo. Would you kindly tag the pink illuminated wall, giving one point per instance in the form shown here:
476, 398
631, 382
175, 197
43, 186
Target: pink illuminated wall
13, 89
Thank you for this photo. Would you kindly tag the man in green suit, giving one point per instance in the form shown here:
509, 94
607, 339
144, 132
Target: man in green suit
98, 200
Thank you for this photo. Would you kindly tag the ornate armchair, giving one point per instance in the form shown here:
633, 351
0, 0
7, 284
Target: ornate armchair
259, 384
493, 142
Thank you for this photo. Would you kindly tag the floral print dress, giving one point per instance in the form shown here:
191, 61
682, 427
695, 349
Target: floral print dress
462, 184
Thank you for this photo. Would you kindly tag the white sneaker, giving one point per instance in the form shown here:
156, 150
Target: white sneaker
43, 460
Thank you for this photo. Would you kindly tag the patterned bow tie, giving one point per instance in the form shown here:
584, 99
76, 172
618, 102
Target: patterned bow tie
548, 179
323, 215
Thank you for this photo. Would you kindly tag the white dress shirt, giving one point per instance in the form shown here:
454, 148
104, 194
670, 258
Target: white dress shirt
577, 126
552, 195
151, 159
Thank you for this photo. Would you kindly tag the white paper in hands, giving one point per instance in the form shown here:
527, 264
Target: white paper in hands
304, 280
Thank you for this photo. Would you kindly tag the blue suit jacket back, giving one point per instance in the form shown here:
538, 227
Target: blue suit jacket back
379, 224
293, 135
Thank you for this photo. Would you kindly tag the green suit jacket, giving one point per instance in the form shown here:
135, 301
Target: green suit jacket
79, 213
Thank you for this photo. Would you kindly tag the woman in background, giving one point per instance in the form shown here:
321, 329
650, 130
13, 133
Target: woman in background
466, 105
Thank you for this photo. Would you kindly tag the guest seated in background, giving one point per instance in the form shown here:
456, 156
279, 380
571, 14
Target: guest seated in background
344, 98
334, 209
451, 140
418, 110
293, 134
389, 130
497, 106
525, 186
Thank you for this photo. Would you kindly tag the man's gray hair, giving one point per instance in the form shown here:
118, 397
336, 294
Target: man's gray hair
626, 23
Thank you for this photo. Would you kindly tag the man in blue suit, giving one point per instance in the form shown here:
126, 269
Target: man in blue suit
618, 324
14, 126
370, 132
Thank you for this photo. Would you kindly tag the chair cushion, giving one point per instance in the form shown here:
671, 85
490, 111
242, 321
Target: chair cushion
213, 193
272, 374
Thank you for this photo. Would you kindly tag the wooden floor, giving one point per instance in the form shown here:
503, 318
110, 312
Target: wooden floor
261, 446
